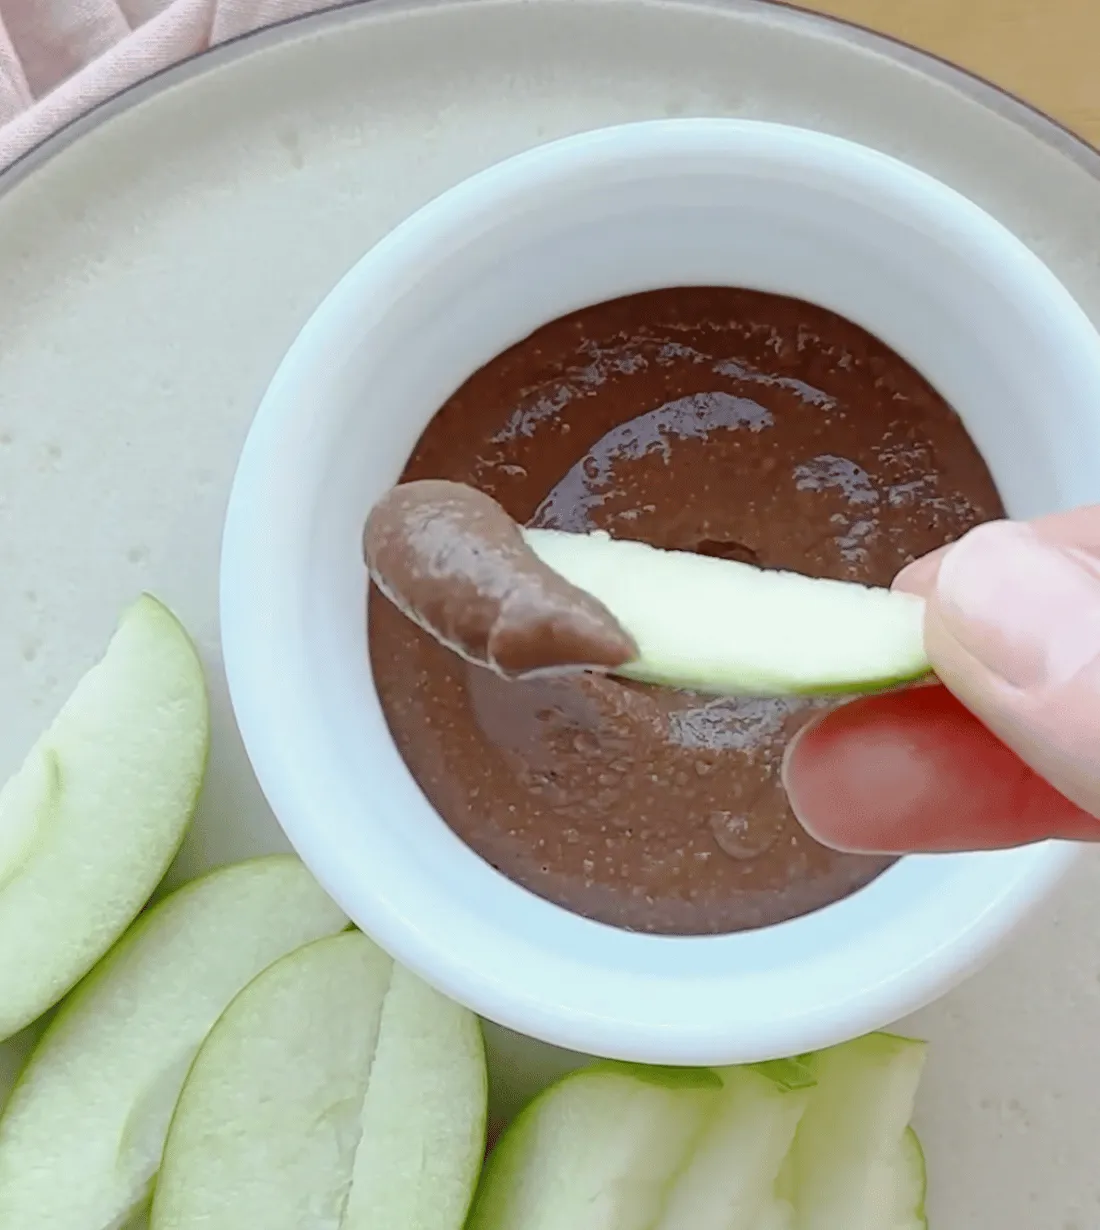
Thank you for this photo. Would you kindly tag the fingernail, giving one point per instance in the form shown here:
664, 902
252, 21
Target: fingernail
788, 752
1027, 610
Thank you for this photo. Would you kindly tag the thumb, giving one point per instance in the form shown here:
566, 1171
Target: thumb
1012, 628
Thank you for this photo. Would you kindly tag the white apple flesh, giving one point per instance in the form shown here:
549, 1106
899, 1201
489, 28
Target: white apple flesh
723, 627
82, 1135
336, 1092
91, 821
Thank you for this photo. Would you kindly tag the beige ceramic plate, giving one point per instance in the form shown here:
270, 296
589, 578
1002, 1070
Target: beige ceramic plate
157, 258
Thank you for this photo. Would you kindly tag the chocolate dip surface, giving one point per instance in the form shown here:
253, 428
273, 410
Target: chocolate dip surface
729, 422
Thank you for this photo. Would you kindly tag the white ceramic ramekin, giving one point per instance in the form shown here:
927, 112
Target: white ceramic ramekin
573, 223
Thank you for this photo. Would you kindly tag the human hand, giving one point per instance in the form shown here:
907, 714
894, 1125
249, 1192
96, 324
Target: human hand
1005, 749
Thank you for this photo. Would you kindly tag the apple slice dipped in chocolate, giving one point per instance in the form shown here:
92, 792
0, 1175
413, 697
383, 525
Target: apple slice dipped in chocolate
527, 601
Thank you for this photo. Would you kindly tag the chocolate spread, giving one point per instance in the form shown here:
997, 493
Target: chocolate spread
727, 422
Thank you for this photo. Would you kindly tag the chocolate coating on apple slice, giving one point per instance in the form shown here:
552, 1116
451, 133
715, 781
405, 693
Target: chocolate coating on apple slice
451, 559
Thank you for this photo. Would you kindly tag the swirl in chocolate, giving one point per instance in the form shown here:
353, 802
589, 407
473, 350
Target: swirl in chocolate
722, 421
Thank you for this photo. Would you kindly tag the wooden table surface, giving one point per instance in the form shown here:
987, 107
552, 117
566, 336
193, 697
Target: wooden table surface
1046, 51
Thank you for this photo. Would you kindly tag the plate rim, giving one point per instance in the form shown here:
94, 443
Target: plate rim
1004, 102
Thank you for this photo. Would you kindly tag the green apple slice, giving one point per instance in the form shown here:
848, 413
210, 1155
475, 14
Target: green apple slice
83, 1133
718, 626
779, 1216
852, 1163
598, 1150
330, 1067
91, 821
28, 809
423, 1121
911, 1185
269, 1119
730, 1181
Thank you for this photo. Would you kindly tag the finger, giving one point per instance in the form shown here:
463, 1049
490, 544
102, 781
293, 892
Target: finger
1012, 628
920, 576
1080, 527
916, 771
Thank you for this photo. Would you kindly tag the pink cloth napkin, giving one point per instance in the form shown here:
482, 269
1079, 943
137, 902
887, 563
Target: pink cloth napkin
60, 57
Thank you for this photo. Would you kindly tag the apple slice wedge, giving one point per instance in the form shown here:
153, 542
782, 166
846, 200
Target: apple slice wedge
423, 1121
82, 1135
910, 1185
335, 1091
730, 1181
91, 821
855, 1161
598, 1150
718, 626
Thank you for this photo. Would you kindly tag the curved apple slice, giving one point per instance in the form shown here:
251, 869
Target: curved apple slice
598, 1150
336, 1090
82, 1135
718, 626
911, 1185
853, 1163
28, 807
91, 821
423, 1121
730, 1181
818, 1142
